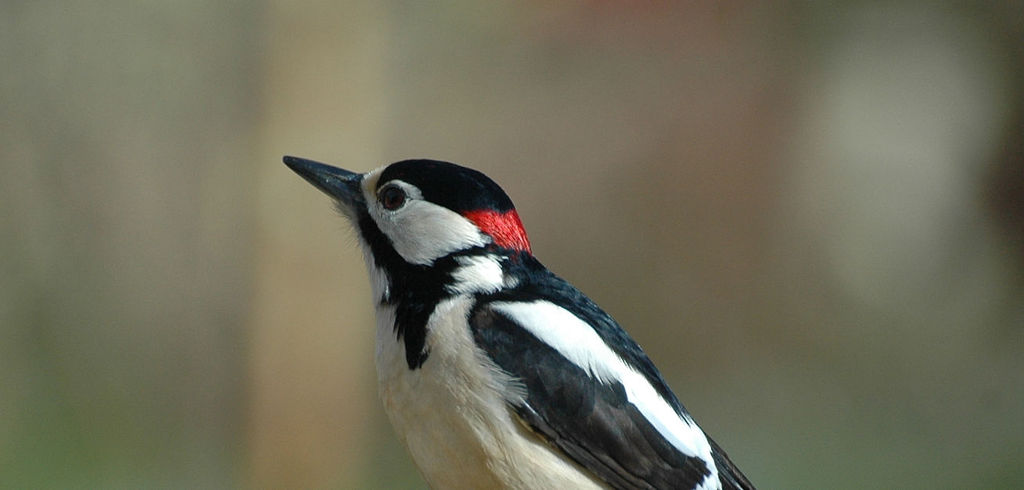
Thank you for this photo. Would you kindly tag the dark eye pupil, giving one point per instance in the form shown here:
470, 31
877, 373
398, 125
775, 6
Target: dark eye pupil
392, 198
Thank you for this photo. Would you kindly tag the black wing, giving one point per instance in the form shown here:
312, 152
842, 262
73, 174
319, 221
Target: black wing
592, 422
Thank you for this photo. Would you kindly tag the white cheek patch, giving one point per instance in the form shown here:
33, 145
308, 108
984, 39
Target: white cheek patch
421, 231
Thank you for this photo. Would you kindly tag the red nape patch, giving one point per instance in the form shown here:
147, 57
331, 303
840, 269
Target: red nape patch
505, 228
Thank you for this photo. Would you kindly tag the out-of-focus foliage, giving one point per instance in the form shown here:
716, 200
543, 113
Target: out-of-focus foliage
812, 217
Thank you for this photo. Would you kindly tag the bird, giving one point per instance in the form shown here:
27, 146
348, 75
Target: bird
493, 371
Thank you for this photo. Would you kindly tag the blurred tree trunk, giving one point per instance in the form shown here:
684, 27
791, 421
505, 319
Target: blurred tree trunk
311, 366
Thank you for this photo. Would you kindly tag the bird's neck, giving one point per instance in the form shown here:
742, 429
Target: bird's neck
413, 291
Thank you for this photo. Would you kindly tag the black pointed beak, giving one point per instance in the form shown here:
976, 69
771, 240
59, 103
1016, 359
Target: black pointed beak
342, 185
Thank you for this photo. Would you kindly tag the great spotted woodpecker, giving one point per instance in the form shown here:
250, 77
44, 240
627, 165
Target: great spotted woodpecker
495, 372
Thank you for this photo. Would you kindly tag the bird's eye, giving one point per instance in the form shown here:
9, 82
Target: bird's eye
392, 198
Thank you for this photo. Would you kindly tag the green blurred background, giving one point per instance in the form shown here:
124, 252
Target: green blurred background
811, 216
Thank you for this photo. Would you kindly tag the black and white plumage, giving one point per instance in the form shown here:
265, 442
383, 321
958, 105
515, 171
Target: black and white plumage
495, 372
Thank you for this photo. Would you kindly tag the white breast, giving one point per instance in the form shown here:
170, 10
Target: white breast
451, 412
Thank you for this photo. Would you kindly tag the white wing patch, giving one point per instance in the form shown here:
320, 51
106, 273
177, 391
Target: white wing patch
582, 346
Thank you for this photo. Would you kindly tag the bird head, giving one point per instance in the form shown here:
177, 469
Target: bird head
421, 210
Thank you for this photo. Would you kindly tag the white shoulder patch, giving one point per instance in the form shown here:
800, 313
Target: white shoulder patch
582, 346
477, 274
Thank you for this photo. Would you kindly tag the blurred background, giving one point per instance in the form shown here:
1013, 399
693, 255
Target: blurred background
811, 216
